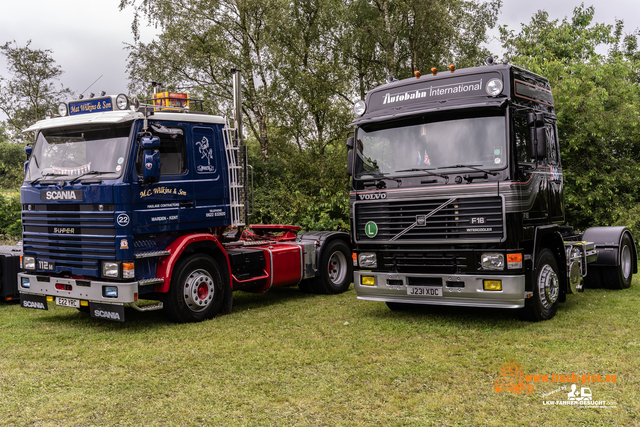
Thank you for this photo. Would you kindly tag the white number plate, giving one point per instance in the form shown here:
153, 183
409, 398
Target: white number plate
68, 302
425, 291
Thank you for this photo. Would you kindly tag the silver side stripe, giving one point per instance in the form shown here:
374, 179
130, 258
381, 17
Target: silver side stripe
433, 212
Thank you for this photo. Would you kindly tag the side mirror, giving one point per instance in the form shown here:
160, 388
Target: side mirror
148, 142
537, 136
350, 161
350, 143
28, 149
151, 159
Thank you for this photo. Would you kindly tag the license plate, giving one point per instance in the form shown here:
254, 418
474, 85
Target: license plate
424, 291
68, 302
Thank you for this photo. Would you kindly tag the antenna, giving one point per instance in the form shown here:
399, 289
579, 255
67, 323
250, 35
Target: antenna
91, 84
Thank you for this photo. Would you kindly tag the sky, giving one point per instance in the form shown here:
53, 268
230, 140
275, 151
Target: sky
88, 37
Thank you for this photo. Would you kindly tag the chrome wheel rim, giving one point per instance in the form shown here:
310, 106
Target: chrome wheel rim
548, 286
198, 290
337, 267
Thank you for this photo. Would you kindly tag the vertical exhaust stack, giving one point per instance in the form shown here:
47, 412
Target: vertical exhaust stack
242, 149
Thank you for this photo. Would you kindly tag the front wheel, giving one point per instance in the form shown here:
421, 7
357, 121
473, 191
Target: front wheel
546, 288
196, 292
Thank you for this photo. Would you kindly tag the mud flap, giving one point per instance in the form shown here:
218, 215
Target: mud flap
113, 312
39, 302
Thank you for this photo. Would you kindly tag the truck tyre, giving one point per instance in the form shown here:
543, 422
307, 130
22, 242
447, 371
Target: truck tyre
546, 288
336, 269
619, 277
196, 292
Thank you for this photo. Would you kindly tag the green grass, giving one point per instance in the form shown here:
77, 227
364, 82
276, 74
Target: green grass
286, 358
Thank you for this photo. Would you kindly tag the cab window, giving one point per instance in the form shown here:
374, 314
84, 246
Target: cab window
173, 158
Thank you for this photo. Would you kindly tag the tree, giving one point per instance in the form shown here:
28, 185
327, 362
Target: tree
597, 99
31, 91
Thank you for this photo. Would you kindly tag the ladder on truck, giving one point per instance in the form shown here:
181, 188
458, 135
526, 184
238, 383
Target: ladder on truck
236, 176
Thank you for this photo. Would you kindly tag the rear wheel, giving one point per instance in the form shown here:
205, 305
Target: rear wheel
620, 277
196, 290
546, 288
336, 270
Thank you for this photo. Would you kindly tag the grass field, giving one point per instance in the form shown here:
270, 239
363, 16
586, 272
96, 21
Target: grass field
286, 358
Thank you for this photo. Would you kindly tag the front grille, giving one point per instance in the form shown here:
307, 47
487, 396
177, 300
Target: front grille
465, 219
75, 238
435, 261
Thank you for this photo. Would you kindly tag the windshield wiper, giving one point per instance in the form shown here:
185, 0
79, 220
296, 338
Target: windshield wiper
37, 180
474, 167
88, 173
425, 170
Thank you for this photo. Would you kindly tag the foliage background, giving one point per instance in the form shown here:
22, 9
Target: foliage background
304, 62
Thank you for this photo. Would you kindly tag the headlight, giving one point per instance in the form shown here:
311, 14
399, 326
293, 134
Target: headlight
494, 87
492, 262
122, 102
62, 109
111, 269
28, 263
367, 259
359, 108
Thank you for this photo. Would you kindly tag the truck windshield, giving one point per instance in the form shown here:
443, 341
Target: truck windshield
68, 153
400, 148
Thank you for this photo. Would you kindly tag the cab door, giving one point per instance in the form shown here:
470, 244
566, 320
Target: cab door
158, 207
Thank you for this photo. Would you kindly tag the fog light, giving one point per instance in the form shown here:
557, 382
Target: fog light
110, 269
25, 282
492, 261
367, 259
29, 263
493, 285
128, 270
122, 102
494, 87
368, 280
110, 291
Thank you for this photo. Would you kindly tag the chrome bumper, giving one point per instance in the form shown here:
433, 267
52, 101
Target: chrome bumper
38, 285
469, 290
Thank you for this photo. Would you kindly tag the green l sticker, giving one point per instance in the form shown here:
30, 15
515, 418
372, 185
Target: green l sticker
371, 229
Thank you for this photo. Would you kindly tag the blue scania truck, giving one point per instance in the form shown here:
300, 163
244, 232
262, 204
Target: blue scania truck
124, 202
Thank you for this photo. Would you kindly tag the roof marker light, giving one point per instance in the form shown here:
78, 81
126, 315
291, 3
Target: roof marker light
434, 70
452, 67
91, 95
417, 74
102, 93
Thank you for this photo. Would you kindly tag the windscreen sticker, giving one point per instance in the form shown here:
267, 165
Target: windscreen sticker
118, 168
79, 170
426, 158
121, 160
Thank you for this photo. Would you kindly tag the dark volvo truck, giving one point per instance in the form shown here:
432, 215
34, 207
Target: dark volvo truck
457, 197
